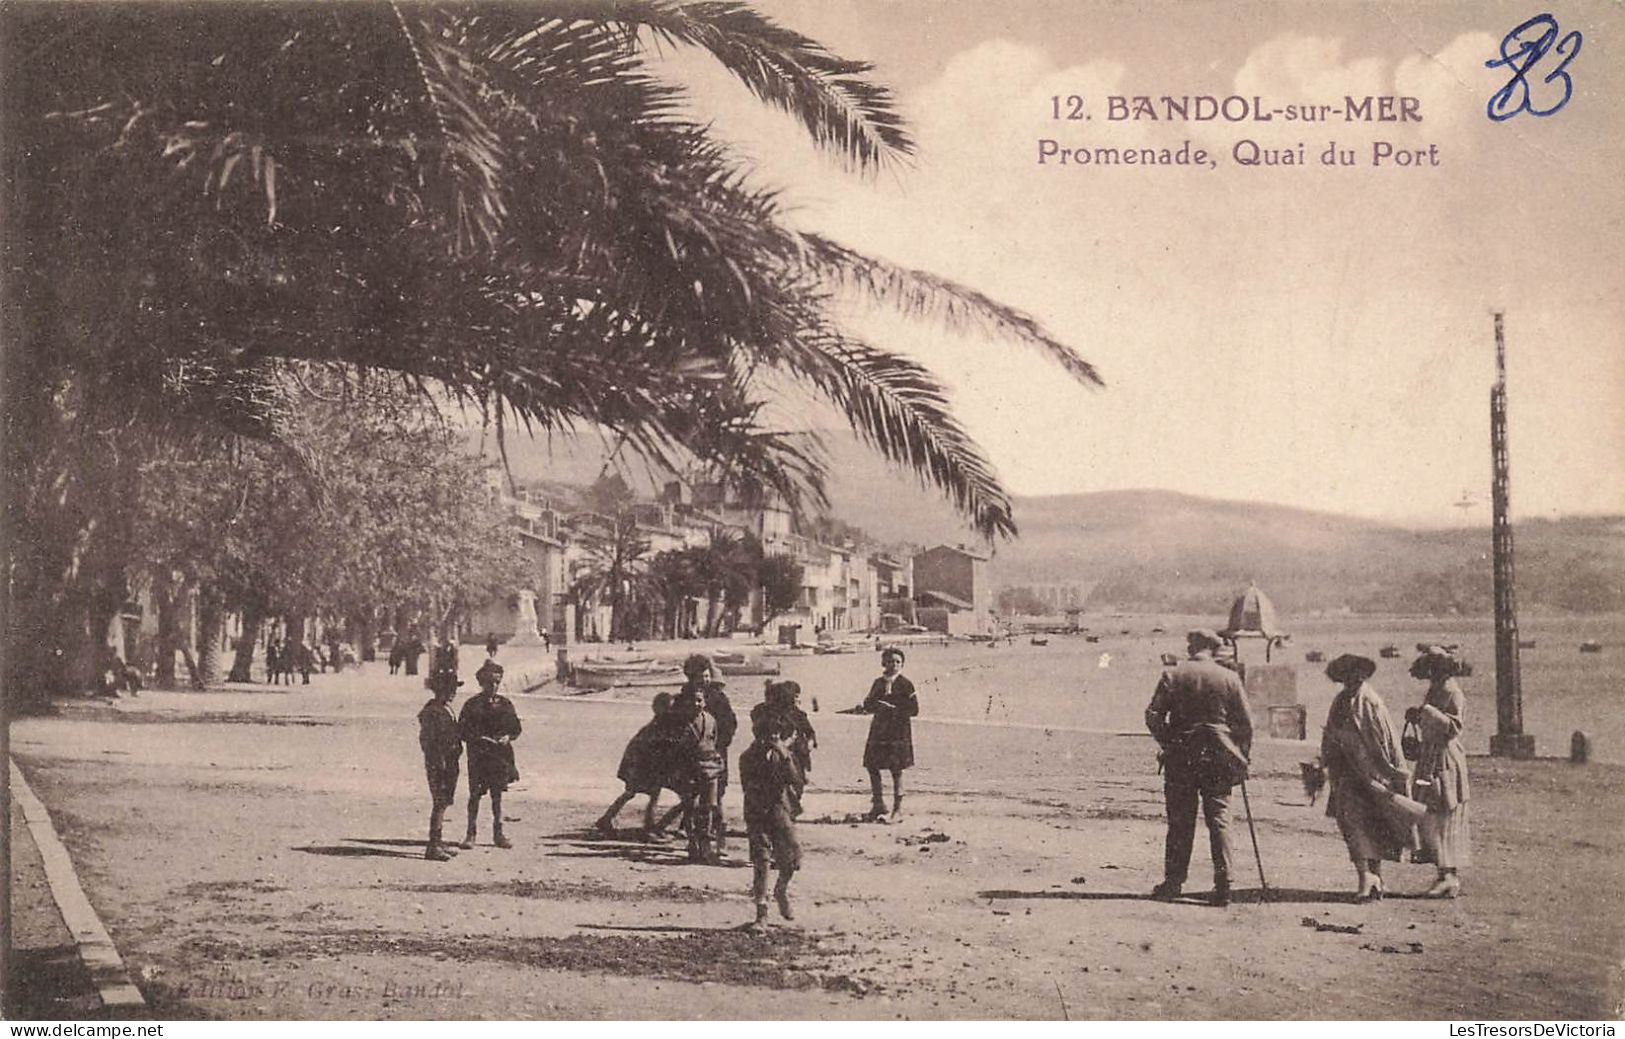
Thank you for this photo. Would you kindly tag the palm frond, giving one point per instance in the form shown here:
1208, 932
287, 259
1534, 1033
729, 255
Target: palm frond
922, 294
830, 96
898, 408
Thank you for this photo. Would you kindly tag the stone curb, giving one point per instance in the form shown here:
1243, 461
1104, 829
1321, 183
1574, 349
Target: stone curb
96, 949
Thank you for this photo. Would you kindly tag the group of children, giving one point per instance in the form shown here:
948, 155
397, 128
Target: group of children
488, 724
683, 748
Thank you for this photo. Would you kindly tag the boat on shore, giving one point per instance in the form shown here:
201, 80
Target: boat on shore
788, 651
605, 674
746, 667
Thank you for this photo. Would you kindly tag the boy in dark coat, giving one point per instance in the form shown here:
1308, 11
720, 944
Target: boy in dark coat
442, 744
702, 685
782, 706
772, 783
489, 726
700, 767
891, 702
645, 766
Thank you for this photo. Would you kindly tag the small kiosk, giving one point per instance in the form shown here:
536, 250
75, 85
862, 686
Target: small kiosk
1272, 689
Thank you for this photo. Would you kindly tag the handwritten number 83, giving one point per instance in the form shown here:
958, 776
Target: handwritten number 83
1522, 54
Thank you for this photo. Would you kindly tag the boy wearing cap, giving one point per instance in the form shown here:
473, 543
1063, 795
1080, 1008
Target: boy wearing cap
781, 704
1198, 715
442, 744
489, 725
772, 783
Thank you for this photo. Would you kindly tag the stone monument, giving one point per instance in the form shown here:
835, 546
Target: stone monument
524, 625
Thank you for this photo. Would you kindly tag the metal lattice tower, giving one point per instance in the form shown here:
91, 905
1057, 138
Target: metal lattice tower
1509, 739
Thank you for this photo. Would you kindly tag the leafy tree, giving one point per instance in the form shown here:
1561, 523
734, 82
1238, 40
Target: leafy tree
362, 502
780, 577
500, 201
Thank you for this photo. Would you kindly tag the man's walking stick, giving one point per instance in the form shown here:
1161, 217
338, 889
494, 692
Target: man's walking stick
1263, 885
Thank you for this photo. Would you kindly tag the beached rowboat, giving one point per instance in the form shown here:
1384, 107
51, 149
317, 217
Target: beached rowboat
612, 675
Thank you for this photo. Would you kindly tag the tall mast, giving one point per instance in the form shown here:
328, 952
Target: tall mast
1509, 739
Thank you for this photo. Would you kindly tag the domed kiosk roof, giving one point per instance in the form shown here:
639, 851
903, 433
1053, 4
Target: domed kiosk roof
1252, 615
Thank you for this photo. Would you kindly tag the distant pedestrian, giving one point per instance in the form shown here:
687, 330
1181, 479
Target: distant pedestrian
273, 661
1441, 769
489, 726
645, 767
413, 653
1198, 715
306, 659
397, 655
1364, 761
891, 703
491, 645
287, 660
442, 743
772, 783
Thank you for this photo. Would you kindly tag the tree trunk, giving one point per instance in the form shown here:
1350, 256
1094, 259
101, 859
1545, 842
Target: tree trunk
242, 665
366, 629
211, 616
168, 599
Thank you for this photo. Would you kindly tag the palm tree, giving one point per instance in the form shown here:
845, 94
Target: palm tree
496, 202
675, 579
614, 574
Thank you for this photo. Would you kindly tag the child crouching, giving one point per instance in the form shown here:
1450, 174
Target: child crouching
772, 782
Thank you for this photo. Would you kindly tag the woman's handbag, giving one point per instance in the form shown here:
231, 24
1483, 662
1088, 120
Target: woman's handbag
1410, 739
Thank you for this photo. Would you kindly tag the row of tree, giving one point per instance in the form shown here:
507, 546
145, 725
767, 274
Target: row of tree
651, 596
361, 512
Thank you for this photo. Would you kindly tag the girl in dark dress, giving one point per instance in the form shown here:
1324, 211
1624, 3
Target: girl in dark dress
891, 702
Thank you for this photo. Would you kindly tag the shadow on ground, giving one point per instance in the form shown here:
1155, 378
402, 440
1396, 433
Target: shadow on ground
1281, 896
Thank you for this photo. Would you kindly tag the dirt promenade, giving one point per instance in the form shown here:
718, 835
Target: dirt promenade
258, 854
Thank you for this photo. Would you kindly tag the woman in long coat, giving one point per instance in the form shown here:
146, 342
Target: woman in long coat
891, 702
1442, 764
1364, 761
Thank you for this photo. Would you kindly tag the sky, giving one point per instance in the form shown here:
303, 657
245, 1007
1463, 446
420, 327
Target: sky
1310, 336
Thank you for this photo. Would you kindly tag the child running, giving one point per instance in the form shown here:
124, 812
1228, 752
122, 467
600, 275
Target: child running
782, 704
772, 784
645, 768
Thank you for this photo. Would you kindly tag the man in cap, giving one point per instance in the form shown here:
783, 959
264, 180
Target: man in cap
442, 744
1198, 715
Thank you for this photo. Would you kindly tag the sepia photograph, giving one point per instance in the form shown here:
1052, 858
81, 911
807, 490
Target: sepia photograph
813, 510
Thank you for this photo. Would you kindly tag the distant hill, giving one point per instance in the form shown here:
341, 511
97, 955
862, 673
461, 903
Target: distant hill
1162, 551
1157, 550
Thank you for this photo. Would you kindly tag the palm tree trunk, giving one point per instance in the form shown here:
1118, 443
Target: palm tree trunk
210, 621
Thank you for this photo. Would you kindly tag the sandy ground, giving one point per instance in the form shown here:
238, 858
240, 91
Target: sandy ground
257, 854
